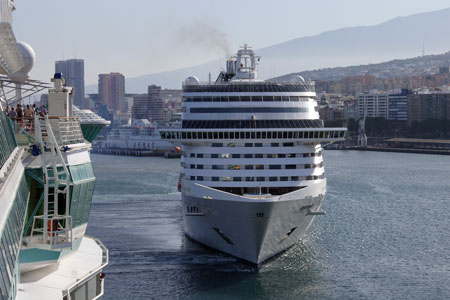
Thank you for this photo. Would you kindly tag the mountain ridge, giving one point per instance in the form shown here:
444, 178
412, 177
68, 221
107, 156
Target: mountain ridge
359, 45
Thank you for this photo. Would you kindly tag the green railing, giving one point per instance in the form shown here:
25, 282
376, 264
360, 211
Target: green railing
7, 140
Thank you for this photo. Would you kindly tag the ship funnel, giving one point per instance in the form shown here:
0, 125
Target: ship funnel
231, 68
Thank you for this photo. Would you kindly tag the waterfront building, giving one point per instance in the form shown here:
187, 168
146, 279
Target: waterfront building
374, 104
398, 106
111, 90
428, 105
73, 72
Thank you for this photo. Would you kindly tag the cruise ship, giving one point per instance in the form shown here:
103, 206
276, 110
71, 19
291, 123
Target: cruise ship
46, 187
253, 176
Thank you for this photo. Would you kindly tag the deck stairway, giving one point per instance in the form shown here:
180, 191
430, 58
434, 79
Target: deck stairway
53, 228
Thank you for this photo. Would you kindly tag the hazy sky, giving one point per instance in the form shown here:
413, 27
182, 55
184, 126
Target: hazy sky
148, 36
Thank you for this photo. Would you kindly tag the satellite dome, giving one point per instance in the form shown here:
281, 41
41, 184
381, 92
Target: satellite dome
191, 80
298, 78
28, 60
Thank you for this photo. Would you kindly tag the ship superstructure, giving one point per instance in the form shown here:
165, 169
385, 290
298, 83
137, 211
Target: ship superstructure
141, 135
252, 176
46, 187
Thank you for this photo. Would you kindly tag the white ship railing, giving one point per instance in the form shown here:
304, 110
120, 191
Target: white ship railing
93, 273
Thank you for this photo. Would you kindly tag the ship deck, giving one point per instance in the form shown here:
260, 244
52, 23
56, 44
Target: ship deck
54, 281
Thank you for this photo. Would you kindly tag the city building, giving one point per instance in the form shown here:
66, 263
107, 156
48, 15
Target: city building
374, 104
398, 106
351, 110
73, 72
428, 105
443, 70
331, 113
157, 104
111, 89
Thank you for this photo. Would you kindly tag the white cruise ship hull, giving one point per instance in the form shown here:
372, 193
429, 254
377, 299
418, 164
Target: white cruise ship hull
251, 229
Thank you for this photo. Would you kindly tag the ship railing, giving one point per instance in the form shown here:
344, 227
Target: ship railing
67, 293
266, 82
326, 134
56, 234
251, 86
67, 130
24, 130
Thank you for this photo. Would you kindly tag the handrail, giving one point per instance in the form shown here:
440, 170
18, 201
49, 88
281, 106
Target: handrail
105, 261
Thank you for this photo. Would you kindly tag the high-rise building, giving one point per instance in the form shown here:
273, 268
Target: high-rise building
398, 106
140, 107
156, 103
428, 106
73, 72
111, 89
374, 104
148, 106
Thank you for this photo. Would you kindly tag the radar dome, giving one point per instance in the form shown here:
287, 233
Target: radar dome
191, 80
28, 60
298, 78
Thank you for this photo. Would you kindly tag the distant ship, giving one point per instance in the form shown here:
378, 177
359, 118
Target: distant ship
252, 176
141, 135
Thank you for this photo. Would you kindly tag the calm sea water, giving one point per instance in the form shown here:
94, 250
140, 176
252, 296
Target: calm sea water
386, 235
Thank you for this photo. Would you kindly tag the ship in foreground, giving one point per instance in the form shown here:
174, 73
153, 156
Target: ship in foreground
46, 186
252, 178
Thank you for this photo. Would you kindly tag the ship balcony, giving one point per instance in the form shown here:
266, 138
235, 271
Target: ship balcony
304, 135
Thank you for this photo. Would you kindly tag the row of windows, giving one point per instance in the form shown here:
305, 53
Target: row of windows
244, 99
252, 167
248, 145
254, 178
220, 110
173, 135
255, 87
211, 124
249, 155
10, 241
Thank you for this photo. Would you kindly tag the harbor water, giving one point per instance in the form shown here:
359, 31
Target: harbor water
386, 234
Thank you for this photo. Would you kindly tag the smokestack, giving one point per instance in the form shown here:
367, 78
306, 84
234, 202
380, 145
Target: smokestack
231, 68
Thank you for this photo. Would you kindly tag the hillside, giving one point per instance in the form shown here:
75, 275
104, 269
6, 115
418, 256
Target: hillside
397, 38
422, 65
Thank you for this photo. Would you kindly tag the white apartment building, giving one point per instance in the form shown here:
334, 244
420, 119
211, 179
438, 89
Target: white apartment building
375, 104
